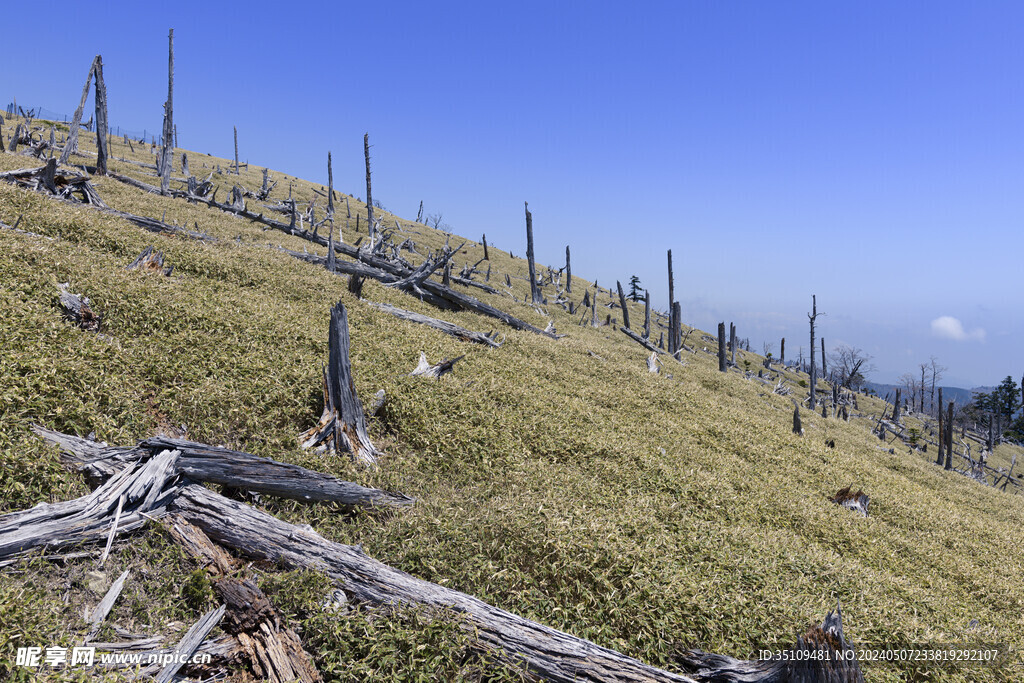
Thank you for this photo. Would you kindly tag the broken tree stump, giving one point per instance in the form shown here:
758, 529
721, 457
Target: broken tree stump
342, 425
150, 260
858, 502
821, 655
273, 650
76, 308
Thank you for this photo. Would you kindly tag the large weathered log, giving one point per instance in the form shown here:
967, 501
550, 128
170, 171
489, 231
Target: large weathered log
551, 654
47, 180
213, 464
442, 325
646, 343
201, 462
342, 425
428, 290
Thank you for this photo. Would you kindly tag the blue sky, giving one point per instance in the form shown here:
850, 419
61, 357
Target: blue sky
871, 153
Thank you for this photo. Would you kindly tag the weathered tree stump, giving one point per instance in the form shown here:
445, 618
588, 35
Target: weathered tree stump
342, 425
858, 502
77, 309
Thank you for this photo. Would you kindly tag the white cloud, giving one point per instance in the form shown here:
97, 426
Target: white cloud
949, 327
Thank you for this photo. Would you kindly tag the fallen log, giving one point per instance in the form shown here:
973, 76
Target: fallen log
428, 290
442, 325
641, 341
247, 472
551, 654
47, 180
212, 464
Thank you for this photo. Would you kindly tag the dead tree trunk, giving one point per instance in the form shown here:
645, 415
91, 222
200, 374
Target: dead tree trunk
671, 305
622, 302
942, 432
369, 195
330, 189
568, 274
814, 369
535, 296
167, 152
343, 423
797, 427
732, 343
949, 435
676, 333
72, 142
824, 368
782, 352
896, 409
647, 314
101, 118
236, 149
721, 347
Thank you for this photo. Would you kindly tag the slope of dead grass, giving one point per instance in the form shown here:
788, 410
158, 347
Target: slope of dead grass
557, 479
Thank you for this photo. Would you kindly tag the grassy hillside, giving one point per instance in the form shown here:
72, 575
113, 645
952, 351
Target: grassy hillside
557, 479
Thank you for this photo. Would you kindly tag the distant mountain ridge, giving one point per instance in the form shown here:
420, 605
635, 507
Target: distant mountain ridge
959, 395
